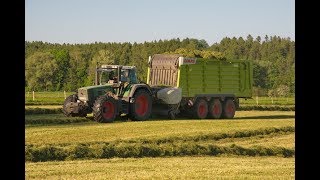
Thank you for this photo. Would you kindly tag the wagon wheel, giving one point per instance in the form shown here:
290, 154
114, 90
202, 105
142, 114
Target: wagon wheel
215, 109
229, 109
200, 109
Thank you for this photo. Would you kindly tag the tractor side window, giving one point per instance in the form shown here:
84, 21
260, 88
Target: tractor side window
125, 76
133, 77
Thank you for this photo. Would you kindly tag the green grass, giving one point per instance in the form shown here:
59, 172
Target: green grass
43, 106
252, 133
266, 108
162, 147
166, 168
46, 98
41, 117
45, 119
251, 146
42, 111
96, 132
267, 101
285, 140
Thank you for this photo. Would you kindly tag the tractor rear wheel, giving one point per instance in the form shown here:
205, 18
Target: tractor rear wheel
215, 109
140, 109
229, 109
200, 109
105, 109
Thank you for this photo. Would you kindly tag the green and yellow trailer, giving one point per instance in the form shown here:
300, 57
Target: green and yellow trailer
199, 87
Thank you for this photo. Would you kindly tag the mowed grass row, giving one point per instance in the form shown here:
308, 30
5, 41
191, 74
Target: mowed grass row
166, 168
266, 108
55, 119
198, 145
56, 109
153, 128
164, 138
46, 98
46, 119
57, 98
284, 139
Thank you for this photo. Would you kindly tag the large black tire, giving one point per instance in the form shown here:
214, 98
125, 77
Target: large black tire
215, 109
171, 115
200, 109
140, 109
229, 109
72, 98
105, 109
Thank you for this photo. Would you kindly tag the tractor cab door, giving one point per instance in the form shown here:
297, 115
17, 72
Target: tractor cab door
133, 76
129, 75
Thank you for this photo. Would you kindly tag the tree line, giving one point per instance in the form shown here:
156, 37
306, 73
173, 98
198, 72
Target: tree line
56, 67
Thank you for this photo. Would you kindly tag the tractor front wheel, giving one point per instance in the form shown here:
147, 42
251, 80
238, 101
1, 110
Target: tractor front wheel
105, 109
69, 99
65, 109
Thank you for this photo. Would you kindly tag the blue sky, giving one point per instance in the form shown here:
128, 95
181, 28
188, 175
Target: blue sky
87, 21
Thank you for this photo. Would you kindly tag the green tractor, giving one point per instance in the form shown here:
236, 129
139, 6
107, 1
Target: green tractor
117, 92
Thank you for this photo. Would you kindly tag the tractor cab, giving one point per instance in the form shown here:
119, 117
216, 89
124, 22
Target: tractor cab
116, 74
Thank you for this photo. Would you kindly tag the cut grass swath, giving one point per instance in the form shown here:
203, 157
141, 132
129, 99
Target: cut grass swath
174, 146
166, 168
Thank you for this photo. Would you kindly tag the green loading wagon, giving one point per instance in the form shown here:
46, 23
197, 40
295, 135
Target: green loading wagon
209, 88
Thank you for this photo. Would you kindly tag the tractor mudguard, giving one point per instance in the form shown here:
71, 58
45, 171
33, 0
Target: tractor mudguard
135, 87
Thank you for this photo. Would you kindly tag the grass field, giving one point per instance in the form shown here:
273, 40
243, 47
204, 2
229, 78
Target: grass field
46, 98
43, 106
253, 145
166, 168
252, 133
46, 119
285, 140
268, 101
97, 132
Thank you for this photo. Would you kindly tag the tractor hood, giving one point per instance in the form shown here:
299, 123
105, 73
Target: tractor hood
89, 93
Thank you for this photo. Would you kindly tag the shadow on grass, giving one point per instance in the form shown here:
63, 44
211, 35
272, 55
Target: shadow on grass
267, 117
89, 120
163, 118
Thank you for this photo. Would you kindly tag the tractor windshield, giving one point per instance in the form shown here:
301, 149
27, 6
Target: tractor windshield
110, 75
129, 75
